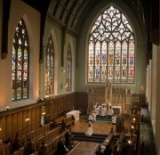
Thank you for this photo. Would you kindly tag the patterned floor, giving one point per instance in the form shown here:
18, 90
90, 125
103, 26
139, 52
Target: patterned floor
98, 126
84, 148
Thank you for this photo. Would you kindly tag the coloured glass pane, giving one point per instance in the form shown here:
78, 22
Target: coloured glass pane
68, 85
20, 58
49, 68
110, 56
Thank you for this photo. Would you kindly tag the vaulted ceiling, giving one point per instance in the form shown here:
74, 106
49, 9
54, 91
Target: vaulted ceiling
71, 14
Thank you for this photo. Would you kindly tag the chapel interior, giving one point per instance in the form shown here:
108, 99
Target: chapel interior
79, 77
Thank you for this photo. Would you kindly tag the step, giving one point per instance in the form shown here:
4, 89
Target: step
93, 137
89, 139
82, 133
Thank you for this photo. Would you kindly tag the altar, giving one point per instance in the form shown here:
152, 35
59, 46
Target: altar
117, 110
75, 113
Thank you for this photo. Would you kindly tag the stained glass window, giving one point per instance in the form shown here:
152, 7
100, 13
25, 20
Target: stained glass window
49, 68
111, 49
69, 70
20, 63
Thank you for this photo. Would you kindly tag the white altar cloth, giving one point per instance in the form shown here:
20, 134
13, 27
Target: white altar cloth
75, 113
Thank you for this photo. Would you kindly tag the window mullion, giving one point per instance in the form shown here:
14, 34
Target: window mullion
16, 62
22, 72
121, 63
100, 60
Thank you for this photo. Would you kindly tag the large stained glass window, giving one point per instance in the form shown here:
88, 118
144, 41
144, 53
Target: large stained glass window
20, 63
69, 70
49, 68
111, 49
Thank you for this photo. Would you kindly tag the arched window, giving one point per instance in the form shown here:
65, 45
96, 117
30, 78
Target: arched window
49, 68
20, 63
69, 70
111, 49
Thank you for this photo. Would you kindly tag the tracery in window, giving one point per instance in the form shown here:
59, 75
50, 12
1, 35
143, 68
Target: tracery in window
69, 70
111, 49
20, 63
49, 68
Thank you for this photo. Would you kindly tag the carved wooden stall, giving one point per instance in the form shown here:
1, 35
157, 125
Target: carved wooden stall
20, 120
60, 104
96, 94
27, 118
121, 97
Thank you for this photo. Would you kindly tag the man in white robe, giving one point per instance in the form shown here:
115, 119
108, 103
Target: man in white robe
103, 110
110, 111
89, 131
93, 116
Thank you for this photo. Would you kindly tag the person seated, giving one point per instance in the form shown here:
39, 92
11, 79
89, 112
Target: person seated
53, 125
98, 151
61, 148
28, 147
63, 125
68, 137
42, 149
16, 145
47, 119
1, 143
9, 140
89, 131
108, 150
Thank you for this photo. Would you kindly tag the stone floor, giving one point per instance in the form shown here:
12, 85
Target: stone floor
84, 148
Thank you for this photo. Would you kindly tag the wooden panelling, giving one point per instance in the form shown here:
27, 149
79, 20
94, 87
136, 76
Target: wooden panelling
14, 120
81, 102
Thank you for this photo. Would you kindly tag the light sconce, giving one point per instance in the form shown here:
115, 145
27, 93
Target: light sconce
7, 108
43, 113
142, 88
129, 141
0, 129
132, 127
134, 120
27, 119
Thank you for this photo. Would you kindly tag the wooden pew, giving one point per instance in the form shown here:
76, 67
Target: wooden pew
108, 140
19, 152
59, 119
69, 121
52, 145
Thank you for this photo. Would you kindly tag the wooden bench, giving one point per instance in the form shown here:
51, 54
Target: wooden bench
69, 121
5, 150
